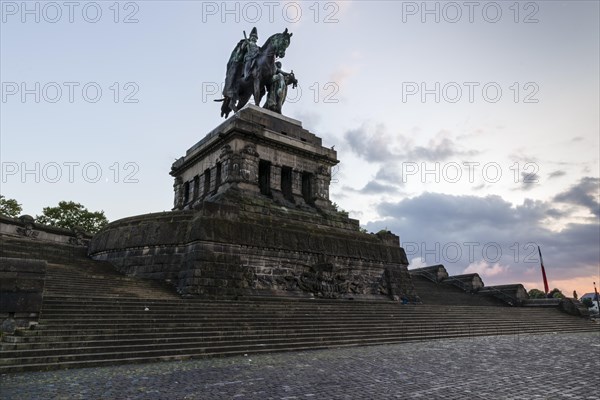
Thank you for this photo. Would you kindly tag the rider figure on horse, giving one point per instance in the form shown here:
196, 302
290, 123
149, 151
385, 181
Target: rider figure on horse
252, 71
251, 49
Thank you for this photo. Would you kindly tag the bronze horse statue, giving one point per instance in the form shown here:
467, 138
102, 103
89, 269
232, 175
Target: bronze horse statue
239, 88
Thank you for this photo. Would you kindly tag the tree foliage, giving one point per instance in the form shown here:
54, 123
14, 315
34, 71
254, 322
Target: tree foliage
536, 294
9, 207
72, 215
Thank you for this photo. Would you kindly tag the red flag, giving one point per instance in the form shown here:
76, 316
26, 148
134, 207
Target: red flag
543, 271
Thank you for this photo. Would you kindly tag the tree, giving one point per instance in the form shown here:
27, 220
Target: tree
557, 294
9, 207
71, 215
536, 294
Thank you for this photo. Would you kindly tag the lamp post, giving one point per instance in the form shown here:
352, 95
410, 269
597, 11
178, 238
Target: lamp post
597, 297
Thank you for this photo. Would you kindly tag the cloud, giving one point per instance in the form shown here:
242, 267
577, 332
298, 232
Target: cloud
556, 174
440, 148
556, 213
456, 212
417, 262
485, 269
390, 173
584, 194
491, 236
372, 145
480, 187
529, 180
374, 187
524, 159
376, 144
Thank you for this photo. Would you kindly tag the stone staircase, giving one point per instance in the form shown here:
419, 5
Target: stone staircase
97, 279
76, 332
93, 316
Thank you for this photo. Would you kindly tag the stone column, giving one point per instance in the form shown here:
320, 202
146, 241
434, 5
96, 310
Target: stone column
275, 178
225, 158
213, 179
178, 189
201, 193
191, 194
323, 178
297, 183
249, 167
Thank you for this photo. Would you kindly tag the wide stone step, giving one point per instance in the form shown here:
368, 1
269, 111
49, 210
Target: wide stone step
151, 309
300, 316
45, 365
148, 307
249, 340
106, 303
235, 330
95, 300
52, 300
70, 339
71, 360
142, 316
91, 328
260, 317
232, 324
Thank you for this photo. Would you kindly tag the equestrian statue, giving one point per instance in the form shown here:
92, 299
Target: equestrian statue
253, 70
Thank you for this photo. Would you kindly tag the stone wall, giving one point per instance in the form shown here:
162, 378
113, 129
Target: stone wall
25, 226
242, 246
212, 269
21, 287
149, 246
26, 248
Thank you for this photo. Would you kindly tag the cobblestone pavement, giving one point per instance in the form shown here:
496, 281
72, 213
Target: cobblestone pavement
553, 366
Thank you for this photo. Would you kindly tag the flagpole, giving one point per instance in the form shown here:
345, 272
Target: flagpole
543, 272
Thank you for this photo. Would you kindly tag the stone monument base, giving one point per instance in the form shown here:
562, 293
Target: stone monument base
252, 216
244, 246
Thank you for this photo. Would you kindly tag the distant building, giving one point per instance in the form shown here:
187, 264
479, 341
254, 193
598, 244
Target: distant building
594, 298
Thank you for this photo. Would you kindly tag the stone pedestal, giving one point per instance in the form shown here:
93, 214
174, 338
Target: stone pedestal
256, 151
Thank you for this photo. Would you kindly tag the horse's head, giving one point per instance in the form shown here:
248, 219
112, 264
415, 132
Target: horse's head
280, 42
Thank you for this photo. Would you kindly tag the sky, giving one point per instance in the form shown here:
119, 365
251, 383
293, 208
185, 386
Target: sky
469, 129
